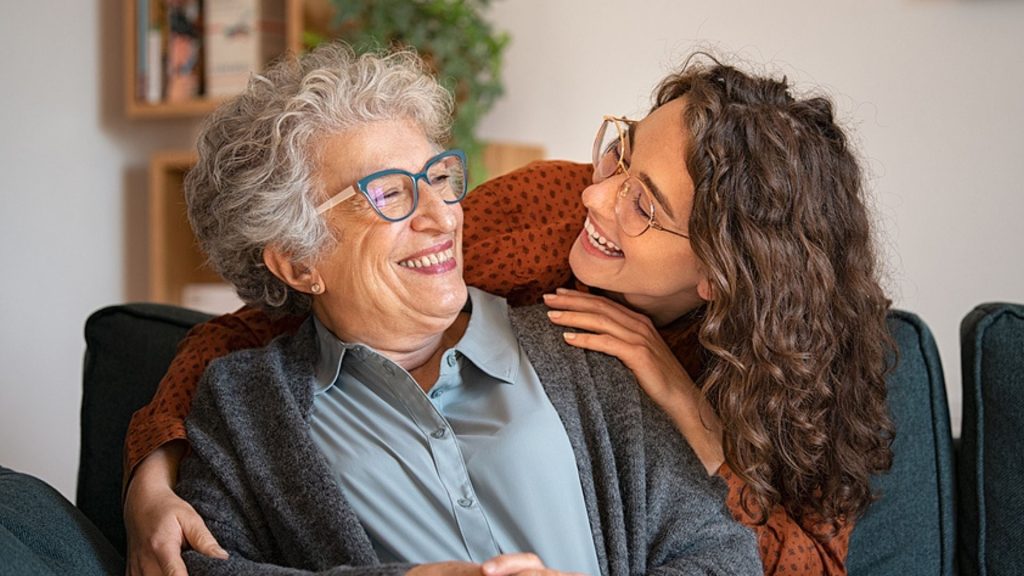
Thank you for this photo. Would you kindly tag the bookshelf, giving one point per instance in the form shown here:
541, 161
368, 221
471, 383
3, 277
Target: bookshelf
136, 109
176, 263
175, 260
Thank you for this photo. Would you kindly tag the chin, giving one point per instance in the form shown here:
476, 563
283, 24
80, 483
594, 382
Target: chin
453, 298
581, 266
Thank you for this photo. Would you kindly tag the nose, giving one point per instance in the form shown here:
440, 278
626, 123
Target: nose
601, 195
433, 214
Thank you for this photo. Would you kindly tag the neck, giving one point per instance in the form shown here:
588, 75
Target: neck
425, 373
415, 346
661, 311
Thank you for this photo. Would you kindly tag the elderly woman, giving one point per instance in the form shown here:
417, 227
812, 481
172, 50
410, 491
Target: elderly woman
409, 425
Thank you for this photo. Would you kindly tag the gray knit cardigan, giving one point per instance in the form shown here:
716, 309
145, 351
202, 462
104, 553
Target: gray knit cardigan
268, 496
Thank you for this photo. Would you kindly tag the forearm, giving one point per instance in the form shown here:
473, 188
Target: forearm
696, 420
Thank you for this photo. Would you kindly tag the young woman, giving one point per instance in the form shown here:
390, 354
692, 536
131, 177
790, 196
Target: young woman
734, 215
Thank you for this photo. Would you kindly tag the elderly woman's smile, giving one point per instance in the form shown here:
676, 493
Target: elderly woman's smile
434, 260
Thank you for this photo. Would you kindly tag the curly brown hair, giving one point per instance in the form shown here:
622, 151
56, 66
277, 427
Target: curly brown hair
796, 329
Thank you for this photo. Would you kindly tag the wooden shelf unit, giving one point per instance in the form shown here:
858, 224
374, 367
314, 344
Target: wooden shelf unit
174, 256
293, 20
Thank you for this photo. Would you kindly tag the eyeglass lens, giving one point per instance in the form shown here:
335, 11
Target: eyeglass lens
608, 149
394, 195
634, 208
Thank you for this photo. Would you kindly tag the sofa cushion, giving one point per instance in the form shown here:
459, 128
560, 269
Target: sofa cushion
128, 349
910, 529
42, 533
991, 458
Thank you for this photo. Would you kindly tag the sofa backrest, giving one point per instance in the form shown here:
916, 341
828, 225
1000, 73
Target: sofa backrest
128, 349
991, 463
910, 530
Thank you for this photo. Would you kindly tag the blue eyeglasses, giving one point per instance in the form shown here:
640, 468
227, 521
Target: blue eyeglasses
394, 194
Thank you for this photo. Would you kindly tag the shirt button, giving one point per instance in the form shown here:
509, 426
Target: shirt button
439, 433
451, 359
435, 393
465, 502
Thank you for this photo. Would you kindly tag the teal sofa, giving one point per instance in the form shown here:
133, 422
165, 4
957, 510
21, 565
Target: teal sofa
909, 531
991, 459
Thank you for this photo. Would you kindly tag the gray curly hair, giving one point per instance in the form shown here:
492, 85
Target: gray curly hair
255, 184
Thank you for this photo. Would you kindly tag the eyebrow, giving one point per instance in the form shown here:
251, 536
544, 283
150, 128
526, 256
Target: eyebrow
659, 197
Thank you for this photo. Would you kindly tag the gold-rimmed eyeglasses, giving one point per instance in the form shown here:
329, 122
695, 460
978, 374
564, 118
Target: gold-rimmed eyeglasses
634, 204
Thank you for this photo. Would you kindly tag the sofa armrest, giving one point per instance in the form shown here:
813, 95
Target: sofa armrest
128, 349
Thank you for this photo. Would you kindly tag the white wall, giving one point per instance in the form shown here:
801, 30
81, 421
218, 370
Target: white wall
72, 211
934, 92
932, 88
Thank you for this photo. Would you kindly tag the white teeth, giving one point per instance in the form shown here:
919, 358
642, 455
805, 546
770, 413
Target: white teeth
600, 242
429, 260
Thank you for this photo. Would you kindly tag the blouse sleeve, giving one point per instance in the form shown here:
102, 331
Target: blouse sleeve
519, 229
786, 547
163, 419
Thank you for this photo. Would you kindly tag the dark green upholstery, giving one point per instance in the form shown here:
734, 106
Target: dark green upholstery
910, 530
41, 533
992, 441
128, 349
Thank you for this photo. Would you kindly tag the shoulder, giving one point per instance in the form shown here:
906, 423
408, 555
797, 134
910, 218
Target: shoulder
251, 370
558, 363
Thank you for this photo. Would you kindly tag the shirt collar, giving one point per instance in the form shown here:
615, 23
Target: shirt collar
488, 342
332, 352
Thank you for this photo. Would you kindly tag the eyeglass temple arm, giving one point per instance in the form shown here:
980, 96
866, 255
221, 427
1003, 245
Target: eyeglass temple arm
336, 199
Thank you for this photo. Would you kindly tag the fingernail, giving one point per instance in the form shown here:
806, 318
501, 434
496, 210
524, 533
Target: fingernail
222, 553
554, 313
548, 296
569, 335
562, 290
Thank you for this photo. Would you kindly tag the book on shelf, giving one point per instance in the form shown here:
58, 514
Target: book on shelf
240, 37
150, 21
184, 50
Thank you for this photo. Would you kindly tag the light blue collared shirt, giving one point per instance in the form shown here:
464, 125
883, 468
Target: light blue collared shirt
478, 467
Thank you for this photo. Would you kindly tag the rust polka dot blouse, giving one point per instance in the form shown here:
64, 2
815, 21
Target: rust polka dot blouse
518, 232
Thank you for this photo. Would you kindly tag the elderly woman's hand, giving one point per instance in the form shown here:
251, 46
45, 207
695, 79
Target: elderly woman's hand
158, 522
519, 564
632, 338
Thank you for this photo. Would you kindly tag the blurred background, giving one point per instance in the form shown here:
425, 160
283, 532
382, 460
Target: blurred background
931, 90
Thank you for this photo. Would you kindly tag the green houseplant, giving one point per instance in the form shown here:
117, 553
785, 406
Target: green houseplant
451, 35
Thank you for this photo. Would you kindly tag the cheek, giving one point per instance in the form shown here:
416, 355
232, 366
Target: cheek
668, 268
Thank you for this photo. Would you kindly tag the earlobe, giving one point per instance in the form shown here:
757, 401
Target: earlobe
704, 290
300, 277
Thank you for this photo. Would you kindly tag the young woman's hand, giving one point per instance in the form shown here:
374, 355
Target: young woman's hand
159, 523
631, 337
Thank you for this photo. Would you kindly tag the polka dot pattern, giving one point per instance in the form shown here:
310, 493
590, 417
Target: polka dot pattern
518, 231
787, 549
